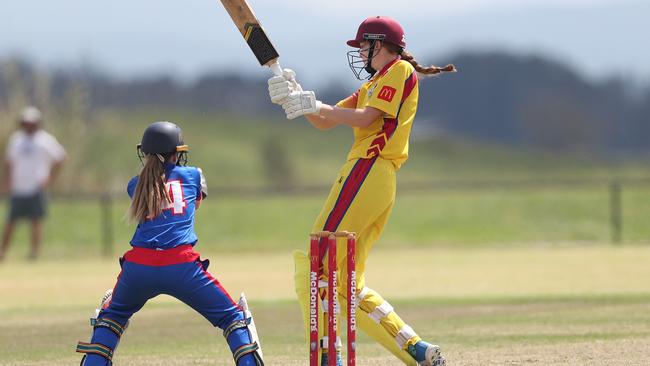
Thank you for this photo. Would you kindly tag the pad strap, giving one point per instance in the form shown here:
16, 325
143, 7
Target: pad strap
244, 350
404, 335
111, 324
237, 324
325, 304
95, 348
381, 311
362, 295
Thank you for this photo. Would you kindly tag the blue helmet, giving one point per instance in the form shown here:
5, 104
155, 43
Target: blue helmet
162, 138
165, 139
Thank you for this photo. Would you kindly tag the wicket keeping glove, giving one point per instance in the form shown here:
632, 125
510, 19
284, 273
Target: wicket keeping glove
281, 86
300, 103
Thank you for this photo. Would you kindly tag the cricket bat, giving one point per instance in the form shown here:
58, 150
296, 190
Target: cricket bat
249, 27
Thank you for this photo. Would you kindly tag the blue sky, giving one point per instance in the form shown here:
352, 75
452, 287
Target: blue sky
186, 38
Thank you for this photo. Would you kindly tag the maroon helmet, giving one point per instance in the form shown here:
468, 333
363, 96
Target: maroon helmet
379, 28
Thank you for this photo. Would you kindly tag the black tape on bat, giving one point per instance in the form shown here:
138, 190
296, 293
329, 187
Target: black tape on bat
260, 44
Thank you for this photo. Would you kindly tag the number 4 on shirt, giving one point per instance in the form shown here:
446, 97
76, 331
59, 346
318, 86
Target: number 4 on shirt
177, 204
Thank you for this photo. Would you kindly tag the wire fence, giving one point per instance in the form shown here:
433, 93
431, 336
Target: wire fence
614, 190
110, 206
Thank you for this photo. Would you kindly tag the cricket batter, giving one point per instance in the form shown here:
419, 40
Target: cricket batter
380, 114
165, 196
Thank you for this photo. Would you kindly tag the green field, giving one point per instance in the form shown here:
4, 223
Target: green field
496, 274
494, 306
245, 151
237, 152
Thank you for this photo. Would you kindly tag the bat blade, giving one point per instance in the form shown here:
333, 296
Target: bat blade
249, 27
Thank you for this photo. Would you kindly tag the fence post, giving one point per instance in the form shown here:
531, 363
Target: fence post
106, 205
615, 212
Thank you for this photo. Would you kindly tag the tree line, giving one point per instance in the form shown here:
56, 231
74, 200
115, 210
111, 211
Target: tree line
497, 97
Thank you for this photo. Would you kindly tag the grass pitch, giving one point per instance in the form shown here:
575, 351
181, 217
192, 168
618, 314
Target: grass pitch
493, 306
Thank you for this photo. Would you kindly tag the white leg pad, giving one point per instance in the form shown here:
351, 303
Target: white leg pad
103, 304
252, 330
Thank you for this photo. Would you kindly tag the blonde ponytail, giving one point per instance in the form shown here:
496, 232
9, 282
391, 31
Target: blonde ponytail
150, 193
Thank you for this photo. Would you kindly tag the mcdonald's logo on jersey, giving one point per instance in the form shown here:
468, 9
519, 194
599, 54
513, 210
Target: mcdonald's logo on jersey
387, 93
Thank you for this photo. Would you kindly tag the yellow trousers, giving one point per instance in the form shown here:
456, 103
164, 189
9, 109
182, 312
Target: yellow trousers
360, 201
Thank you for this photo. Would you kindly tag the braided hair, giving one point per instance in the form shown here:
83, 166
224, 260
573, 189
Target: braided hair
423, 70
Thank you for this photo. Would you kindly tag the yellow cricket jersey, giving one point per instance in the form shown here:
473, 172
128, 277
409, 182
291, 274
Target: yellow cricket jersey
393, 90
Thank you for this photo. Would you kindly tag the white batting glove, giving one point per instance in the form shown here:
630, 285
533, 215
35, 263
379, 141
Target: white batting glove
300, 103
281, 86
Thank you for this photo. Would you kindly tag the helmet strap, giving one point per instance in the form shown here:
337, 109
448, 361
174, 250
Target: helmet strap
182, 158
371, 51
140, 154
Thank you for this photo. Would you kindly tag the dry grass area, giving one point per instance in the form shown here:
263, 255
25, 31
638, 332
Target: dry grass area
500, 306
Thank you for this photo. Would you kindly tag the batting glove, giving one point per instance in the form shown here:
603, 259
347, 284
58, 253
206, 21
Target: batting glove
300, 103
281, 86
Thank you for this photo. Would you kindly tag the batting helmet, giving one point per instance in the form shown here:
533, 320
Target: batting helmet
162, 138
379, 28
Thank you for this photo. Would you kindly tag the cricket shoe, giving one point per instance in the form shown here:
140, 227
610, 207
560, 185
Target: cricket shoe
426, 354
324, 359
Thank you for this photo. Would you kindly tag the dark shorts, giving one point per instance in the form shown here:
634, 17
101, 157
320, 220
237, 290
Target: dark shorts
27, 207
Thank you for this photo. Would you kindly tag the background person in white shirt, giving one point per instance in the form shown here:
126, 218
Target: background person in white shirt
32, 162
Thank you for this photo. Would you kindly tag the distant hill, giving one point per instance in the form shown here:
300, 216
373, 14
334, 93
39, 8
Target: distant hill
497, 97
535, 101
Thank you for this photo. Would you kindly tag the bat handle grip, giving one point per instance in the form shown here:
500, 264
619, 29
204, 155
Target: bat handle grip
276, 68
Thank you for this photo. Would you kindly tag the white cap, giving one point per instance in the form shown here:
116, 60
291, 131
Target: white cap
31, 114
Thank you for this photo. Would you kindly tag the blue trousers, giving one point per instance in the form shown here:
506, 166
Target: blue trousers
177, 272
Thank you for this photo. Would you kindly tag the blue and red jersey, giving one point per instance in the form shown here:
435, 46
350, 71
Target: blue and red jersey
175, 225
